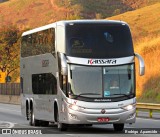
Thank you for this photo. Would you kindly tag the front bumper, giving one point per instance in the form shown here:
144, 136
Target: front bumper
91, 116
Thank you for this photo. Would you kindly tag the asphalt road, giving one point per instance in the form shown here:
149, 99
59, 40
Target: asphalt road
10, 117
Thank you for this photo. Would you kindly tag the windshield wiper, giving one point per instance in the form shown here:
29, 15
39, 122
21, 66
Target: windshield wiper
76, 96
129, 95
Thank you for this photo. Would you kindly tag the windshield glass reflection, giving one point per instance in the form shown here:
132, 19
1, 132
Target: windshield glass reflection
118, 80
101, 82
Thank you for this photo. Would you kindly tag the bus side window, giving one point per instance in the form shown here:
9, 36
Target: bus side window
45, 83
63, 81
54, 85
38, 43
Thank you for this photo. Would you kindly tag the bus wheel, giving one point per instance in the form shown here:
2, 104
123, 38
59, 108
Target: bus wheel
32, 120
61, 126
27, 113
89, 125
118, 127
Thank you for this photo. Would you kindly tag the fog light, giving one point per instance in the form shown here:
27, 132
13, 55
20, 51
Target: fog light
131, 115
72, 116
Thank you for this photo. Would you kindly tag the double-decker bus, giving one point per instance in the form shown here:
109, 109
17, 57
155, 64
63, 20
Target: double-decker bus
79, 72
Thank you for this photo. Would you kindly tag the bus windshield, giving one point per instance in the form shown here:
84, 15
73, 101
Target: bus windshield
102, 82
98, 41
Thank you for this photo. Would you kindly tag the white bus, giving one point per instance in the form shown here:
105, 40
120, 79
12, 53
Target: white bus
79, 72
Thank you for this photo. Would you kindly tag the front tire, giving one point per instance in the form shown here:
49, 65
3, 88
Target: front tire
44, 123
89, 125
118, 127
61, 126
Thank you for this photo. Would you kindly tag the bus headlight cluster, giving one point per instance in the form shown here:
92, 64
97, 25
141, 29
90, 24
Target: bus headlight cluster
129, 107
75, 107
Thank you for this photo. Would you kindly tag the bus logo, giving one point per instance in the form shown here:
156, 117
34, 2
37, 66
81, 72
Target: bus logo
103, 111
102, 61
45, 63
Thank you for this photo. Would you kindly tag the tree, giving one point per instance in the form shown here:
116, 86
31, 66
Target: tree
116, 12
99, 16
9, 49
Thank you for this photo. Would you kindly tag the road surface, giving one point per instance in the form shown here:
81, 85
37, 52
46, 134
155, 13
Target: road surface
10, 116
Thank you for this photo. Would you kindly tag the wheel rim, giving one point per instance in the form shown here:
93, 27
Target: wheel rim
33, 118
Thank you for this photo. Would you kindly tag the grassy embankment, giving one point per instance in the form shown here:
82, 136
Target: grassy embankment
31, 13
145, 28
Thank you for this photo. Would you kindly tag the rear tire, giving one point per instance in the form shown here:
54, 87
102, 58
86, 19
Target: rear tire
32, 120
27, 113
118, 127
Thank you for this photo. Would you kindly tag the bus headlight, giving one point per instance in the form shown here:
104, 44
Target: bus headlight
75, 107
129, 107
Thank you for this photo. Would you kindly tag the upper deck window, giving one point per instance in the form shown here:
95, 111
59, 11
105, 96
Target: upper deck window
38, 43
98, 40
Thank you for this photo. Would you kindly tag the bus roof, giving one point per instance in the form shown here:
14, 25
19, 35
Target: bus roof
65, 22
90, 22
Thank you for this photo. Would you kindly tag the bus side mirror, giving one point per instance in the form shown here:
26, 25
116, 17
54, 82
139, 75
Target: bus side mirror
141, 64
63, 64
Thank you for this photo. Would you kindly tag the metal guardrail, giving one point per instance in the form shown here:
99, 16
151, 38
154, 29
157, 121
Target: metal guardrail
14, 89
147, 106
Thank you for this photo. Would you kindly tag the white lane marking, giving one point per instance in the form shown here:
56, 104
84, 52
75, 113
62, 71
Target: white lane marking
6, 124
10, 110
72, 135
148, 119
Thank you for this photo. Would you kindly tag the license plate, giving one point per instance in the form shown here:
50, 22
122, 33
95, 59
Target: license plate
103, 119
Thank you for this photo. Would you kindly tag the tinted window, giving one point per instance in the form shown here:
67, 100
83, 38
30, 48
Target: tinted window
38, 43
44, 84
99, 41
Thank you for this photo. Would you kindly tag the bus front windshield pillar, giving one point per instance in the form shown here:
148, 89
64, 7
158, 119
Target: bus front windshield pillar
63, 64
